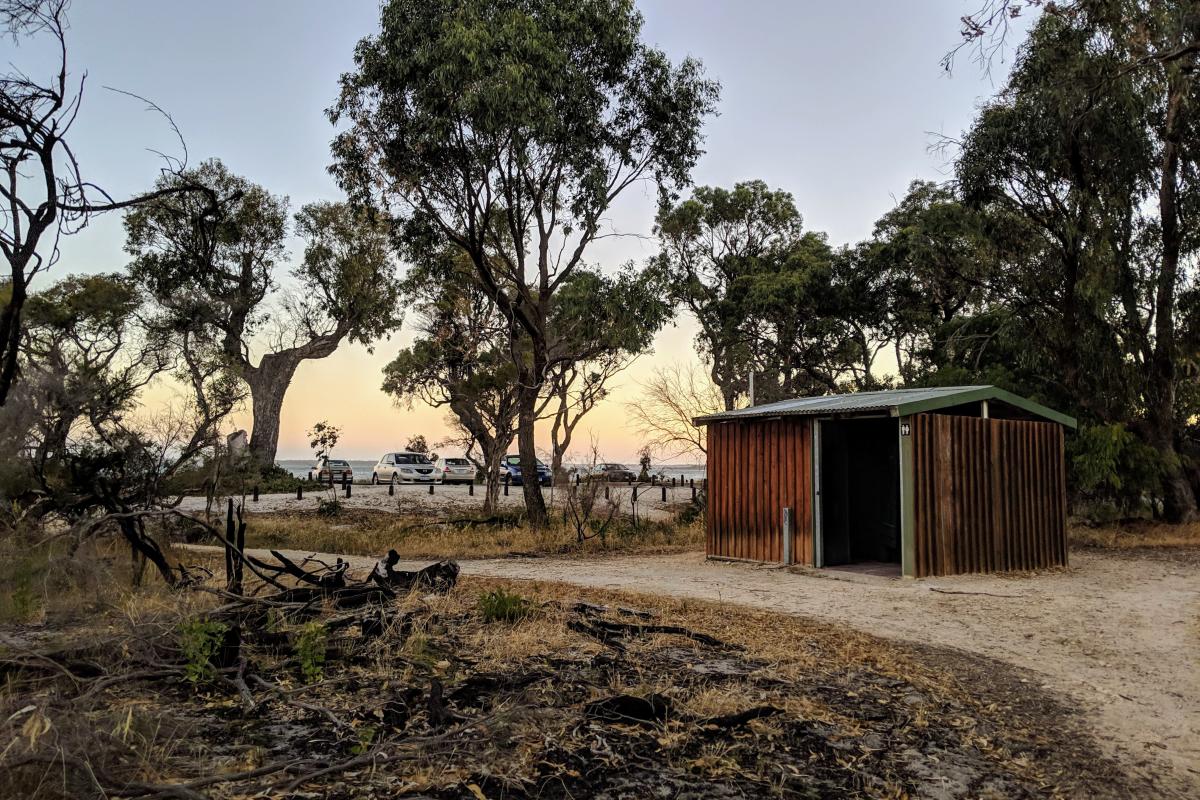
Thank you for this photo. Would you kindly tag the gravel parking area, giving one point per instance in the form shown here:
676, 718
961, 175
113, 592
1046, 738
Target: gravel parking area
447, 500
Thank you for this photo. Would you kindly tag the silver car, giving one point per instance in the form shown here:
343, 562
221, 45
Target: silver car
455, 470
404, 467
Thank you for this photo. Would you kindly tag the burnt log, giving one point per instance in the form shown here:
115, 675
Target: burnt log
439, 577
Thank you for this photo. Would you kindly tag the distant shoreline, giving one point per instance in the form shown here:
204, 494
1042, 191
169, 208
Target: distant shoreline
362, 467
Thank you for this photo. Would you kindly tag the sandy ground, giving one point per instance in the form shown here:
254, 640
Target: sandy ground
447, 499
1119, 633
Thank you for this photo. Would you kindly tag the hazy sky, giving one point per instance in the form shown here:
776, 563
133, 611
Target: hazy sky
836, 102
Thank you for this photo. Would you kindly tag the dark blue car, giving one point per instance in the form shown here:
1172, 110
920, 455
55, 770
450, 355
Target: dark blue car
511, 466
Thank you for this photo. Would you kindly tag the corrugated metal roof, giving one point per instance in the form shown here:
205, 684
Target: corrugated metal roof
897, 402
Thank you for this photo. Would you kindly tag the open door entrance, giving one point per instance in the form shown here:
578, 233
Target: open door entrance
860, 492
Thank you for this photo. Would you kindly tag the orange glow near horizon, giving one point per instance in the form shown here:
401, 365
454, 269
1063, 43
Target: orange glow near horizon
345, 390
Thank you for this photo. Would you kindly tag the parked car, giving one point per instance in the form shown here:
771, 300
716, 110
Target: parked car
404, 468
511, 466
613, 472
339, 468
454, 470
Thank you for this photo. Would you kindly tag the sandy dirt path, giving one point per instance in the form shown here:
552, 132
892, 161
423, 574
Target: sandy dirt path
1118, 633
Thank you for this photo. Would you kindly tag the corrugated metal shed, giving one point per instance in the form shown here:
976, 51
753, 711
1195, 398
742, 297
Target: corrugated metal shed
897, 402
935, 481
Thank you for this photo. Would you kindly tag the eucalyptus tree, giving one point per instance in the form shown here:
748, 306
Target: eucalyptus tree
459, 359
599, 325
508, 128
771, 298
216, 275
1090, 144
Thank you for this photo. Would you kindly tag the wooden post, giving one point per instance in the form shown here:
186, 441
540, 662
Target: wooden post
787, 536
431, 488
391, 489
471, 488
693, 492
300, 492
347, 486
635, 494
255, 494
664, 493
506, 481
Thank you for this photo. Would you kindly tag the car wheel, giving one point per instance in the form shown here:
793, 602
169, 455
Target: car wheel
392, 481
374, 479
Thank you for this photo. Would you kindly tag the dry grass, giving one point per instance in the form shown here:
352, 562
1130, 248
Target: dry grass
857, 716
370, 533
1136, 535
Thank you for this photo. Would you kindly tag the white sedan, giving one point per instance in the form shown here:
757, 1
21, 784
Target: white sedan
455, 470
404, 468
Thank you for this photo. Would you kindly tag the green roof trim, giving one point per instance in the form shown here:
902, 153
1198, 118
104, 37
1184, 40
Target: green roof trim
896, 402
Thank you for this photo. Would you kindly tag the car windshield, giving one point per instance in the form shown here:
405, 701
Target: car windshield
334, 463
457, 462
412, 458
515, 461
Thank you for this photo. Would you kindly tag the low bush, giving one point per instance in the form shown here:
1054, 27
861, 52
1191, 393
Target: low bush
500, 605
200, 641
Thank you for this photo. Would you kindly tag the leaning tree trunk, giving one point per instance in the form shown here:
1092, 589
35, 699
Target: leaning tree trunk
268, 384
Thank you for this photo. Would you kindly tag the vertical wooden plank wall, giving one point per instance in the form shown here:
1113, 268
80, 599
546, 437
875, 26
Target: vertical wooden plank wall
755, 469
989, 495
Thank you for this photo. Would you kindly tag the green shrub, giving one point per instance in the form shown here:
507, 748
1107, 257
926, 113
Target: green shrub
329, 507
1109, 464
200, 640
504, 606
310, 651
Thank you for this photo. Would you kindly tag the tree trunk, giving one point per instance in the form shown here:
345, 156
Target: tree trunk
527, 398
268, 384
492, 454
1179, 501
10, 331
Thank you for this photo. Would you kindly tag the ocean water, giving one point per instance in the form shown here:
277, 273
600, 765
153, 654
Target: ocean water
362, 469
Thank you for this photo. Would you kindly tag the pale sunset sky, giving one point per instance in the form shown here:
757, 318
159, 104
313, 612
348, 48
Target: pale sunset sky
835, 102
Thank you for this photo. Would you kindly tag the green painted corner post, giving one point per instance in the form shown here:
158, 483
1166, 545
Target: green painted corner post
818, 546
908, 544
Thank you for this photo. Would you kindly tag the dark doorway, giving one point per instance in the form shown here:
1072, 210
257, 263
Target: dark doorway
860, 491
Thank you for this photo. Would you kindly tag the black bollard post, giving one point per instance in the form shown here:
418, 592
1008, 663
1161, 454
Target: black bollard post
347, 486
634, 498
471, 488
300, 492
681, 480
605, 492
664, 493
506, 486
431, 488
693, 491
692, 482
255, 496
391, 489
653, 480
576, 478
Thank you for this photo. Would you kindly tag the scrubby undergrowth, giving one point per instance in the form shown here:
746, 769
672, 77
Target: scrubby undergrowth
580, 694
363, 532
